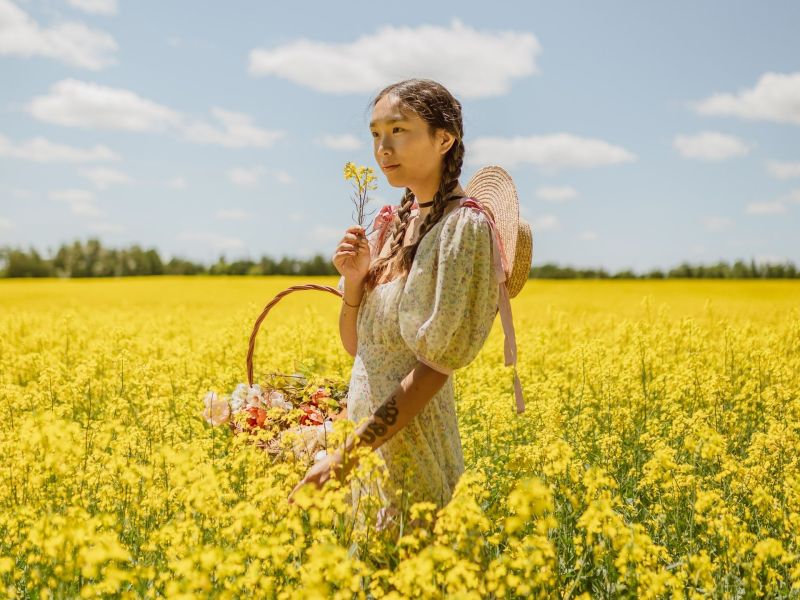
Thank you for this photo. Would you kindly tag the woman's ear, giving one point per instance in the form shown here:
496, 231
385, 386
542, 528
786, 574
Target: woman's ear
446, 140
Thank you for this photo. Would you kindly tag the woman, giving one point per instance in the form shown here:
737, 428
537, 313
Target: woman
415, 307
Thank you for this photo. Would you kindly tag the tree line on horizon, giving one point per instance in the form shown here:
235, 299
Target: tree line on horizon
93, 260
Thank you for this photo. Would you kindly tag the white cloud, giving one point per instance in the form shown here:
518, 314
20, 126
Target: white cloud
7, 224
39, 149
715, 223
556, 193
215, 240
103, 177
550, 152
245, 176
233, 214
72, 194
766, 208
783, 169
238, 131
81, 202
774, 207
283, 177
95, 7
178, 183
709, 145
775, 97
587, 235
75, 103
469, 62
70, 42
345, 141
545, 223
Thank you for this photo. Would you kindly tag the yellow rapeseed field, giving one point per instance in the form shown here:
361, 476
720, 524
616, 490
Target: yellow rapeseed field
659, 455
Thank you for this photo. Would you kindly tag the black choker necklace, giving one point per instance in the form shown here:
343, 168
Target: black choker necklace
426, 204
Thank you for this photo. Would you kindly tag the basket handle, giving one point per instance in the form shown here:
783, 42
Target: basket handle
273, 302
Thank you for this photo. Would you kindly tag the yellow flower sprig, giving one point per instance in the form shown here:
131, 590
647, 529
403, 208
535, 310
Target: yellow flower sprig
364, 180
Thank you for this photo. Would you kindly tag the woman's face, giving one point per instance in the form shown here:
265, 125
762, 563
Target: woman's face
403, 140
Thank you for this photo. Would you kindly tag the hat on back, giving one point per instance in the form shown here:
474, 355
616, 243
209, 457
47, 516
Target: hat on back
493, 187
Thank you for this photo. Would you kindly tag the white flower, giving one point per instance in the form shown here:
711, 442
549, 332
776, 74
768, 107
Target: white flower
277, 398
254, 396
239, 397
217, 410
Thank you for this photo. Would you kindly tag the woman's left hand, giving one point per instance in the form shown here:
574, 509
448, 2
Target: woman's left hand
331, 465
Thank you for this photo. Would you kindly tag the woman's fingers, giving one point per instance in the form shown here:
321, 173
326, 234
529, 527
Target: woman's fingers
349, 246
354, 233
350, 237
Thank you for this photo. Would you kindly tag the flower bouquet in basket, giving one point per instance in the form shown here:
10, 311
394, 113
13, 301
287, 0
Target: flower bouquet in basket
300, 406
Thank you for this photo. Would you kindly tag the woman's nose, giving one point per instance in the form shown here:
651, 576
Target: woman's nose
383, 146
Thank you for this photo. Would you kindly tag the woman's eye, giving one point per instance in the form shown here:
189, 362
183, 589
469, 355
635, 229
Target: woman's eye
374, 134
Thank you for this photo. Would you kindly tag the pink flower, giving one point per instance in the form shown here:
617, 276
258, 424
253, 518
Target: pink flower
277, 399
217, 410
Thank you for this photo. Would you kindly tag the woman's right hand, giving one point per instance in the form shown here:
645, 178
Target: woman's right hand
353, 254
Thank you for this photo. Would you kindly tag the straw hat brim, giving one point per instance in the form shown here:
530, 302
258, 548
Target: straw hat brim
494, 189
522, 260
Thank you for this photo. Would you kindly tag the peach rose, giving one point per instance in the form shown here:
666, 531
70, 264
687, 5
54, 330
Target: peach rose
217, 410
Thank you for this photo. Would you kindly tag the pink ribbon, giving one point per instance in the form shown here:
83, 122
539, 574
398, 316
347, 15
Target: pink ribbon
500, 267
382, 219
385, 216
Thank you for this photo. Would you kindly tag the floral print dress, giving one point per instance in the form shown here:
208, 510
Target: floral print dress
440, 314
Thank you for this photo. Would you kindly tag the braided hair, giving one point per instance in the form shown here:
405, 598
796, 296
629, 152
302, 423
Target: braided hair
436, 106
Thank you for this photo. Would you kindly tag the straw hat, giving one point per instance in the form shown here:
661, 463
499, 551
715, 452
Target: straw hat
493, 187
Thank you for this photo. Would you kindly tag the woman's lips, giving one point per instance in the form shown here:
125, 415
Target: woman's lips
391, 168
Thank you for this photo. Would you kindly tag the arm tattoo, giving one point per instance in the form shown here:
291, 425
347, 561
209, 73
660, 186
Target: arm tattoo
385, 415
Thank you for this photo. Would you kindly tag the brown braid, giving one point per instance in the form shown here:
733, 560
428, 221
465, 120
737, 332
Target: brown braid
434, 104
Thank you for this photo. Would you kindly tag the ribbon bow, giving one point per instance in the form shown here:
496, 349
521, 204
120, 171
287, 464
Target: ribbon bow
385, 216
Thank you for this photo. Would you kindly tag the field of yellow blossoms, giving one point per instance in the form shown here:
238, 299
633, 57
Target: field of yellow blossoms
659, 455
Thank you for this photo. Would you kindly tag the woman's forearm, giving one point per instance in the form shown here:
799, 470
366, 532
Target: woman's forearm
402, 405
348, 315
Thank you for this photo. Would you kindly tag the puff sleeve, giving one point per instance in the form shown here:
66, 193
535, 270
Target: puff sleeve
449, 301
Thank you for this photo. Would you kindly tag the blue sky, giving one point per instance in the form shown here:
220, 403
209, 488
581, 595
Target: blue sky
638, 134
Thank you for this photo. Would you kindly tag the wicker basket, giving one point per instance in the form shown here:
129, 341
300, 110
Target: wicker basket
273, 446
